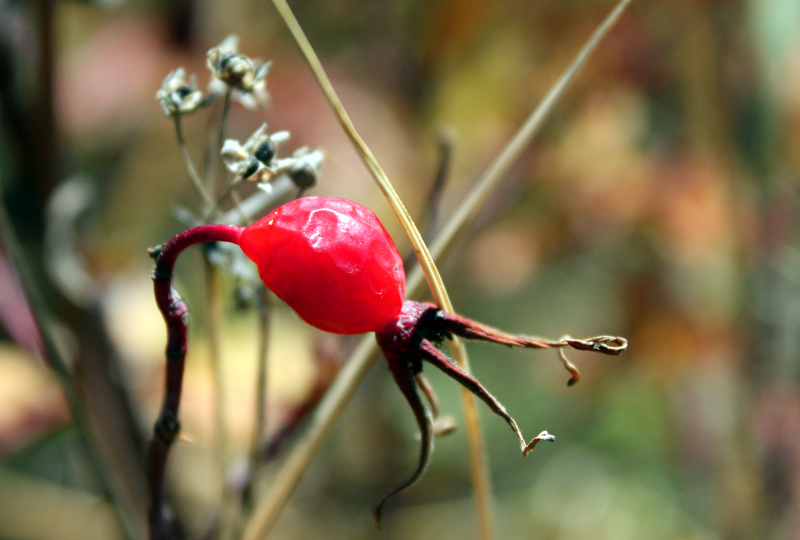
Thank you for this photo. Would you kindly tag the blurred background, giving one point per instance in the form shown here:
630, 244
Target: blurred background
659, 203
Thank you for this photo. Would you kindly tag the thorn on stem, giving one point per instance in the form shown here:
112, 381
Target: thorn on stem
155, 251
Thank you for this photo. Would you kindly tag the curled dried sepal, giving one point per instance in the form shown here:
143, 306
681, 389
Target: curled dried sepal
543, 436
405, 377
412, 339
575, 375
244, 76
447, 323
177, 96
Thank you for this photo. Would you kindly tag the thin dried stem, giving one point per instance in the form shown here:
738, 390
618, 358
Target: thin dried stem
468, 210
263, 303
343, 389
216, 135
213, 310
478, 461
227, 191
320, 425
194, 178
429, 267
258, 201
439, 182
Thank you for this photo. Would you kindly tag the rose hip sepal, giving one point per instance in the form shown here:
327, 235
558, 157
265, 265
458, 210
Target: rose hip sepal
332, 261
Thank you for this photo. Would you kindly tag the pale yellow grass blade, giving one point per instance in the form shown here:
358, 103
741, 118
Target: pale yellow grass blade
478, 463
343, 389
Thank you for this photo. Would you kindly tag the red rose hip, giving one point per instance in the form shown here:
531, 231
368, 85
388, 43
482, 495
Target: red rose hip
332, 261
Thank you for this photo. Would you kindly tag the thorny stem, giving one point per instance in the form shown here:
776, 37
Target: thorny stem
355, 369
175, 313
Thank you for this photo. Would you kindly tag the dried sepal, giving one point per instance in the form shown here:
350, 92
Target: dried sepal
412, 340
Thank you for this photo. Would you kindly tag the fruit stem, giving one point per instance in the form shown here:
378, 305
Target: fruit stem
176, 317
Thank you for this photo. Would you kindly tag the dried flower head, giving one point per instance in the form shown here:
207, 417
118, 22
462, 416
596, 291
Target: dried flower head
244, 76
257, 160
177, 96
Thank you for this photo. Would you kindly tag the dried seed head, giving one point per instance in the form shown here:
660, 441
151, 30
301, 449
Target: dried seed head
177, 96
244, 76
257, 159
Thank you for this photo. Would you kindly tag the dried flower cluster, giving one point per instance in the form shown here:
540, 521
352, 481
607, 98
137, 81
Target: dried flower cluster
257, 159
244, 77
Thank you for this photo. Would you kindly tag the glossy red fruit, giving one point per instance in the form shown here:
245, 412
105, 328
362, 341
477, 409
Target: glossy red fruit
332, 261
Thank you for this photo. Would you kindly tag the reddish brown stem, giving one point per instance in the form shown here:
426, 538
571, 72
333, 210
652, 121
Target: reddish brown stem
175, 313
